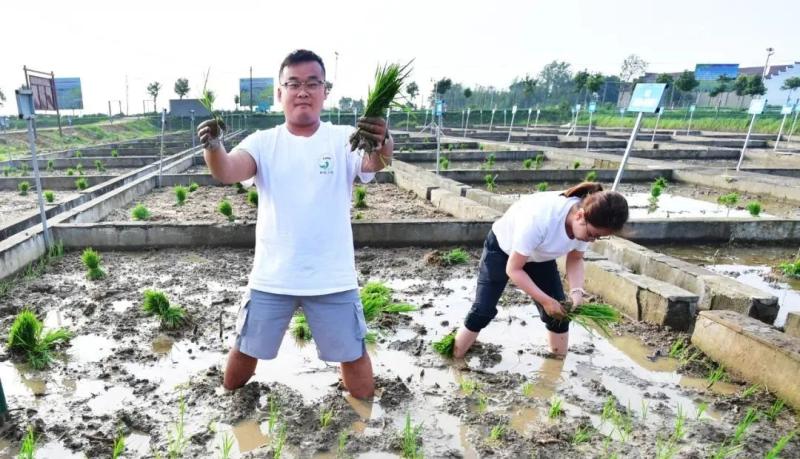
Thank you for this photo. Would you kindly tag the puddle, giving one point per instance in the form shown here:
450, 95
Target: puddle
121, 306
90, 348
751, 265
249, 436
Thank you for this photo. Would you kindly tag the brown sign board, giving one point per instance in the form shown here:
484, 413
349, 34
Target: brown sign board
43, 93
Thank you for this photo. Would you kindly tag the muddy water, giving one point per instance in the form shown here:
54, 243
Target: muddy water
752, 265
123, 370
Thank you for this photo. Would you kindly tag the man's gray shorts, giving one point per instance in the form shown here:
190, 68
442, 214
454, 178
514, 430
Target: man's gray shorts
336, 321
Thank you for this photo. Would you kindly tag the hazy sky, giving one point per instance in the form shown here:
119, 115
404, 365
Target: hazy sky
472, 42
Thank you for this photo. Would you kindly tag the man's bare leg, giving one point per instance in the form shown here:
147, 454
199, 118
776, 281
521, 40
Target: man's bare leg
239, 369
357, 377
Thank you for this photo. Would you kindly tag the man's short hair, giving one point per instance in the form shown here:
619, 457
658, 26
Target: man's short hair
299, 56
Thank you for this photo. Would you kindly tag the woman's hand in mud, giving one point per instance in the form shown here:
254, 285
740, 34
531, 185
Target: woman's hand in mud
554, 309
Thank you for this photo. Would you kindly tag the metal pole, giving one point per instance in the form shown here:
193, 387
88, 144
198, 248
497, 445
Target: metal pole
746, 140
528, 123
655, 129
780, 132
536, 123
425, 123
689, 128
339, 115
589, 134
791, 131
627, 151
193, 133
462, 121
491, 122
438, 141
355, 117
511, 127
39, 191
161, 154
408, 119
466, 125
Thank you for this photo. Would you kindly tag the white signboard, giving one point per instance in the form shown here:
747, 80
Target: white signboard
757, 106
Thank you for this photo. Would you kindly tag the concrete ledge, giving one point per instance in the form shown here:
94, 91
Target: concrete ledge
714, 291
639, 297
751, 350
792, 325
554, 175
136, 236
694, 231
59, 183
477, 155
461, 207
742, 182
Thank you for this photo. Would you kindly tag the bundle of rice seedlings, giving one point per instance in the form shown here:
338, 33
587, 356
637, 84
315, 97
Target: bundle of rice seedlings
376, 299
446, 345
542, 187
49, 196
790, 269
23, 188
26, 337
156, 303
207, 100
252, 198
591, 176
92, 259
81, 184
455, 257
180, 194
140, 212
754, 207
388, 81
226, 209
360, 194
300, 328
193, 187
599, 314
527, 163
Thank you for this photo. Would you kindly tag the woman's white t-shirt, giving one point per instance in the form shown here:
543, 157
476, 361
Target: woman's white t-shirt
304, 241
534, 226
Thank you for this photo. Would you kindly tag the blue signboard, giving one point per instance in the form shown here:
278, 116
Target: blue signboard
592, 107
646, 97
786, 110
692, 107
757, 106
263, 93
712, 72
69, 94
438, 108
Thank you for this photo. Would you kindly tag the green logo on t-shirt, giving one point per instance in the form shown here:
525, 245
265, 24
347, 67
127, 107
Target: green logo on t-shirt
325, 165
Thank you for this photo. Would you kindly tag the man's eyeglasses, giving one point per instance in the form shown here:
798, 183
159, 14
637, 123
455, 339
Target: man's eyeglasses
310, 85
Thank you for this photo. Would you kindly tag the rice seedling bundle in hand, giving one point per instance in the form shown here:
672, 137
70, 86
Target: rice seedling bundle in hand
300, 328
388, 81
207, 100
598, 314
446, 345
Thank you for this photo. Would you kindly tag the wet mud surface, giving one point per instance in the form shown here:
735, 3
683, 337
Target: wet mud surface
123, 371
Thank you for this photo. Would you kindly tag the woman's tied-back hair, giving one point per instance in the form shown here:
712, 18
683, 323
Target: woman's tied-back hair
603, 209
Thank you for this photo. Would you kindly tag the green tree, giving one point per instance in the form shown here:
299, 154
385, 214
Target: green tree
236, 101
579, 83
153, 89
556, 79
346, 104
413, 91
755, 86
594, 83
789, 85
666, 78
181, 87
467, 93
2, 98
632, 68
723, 86
443, 85
686, 82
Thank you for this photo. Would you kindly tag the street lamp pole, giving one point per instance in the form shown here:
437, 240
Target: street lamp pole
770, 52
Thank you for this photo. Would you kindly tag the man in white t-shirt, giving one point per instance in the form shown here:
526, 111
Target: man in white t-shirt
304, 172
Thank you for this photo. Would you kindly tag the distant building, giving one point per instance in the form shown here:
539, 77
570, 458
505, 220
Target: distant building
183, 108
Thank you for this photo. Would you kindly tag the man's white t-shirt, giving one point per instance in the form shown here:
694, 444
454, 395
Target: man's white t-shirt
535, 226
304, 241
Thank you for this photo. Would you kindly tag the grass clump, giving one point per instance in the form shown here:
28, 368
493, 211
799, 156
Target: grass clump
444, 163
27, 449
411, 439
300, 328
457, 256
99, 165
446, 345
325, 417
598, 314
23, 188
49, 196
360, 197
489, 180
50, 165
226, 209
27, 338
527, 163
582, 435
775, 410
81, 184
180, 194
776, 450
78, 154
156, 304
498, 432
140, 212
729, 200
193, 187
556, 409
79, 169
544, 186
114, 153
754, 207
715, 375
591, 176
576, 164
70, 171
252, 198
91, 259
388, 81
539, 161
790, 269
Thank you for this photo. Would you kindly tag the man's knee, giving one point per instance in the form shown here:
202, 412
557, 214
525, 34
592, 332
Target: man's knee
477, 320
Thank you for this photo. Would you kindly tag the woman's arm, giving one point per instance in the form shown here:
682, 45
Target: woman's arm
575, 276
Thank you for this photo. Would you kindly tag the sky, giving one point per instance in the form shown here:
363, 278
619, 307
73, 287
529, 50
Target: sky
486, 43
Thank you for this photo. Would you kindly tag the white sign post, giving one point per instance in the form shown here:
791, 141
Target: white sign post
161, 154
791, 131
338, 115
646, 98
425, 123
592, 109
504, 117
436, 120
756, 108
691, 115
491, 121
528, 123
463, 112
785, 111
408, 119
536, 123
355, 117
466, 125
511, 127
